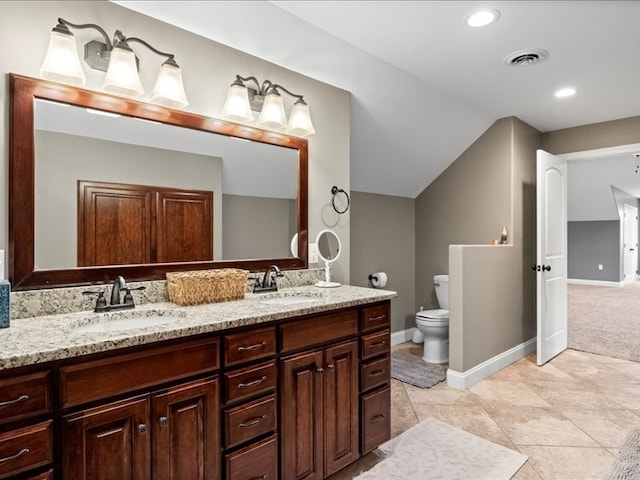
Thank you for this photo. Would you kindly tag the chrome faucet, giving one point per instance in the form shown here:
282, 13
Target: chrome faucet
268, 283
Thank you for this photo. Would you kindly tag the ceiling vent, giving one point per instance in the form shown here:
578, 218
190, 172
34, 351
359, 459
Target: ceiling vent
525, 58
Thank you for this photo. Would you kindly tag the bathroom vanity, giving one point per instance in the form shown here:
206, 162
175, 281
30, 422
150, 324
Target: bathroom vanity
288, 385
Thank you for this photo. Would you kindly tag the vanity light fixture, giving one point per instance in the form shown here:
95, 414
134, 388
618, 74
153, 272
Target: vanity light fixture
62, 64
267, 100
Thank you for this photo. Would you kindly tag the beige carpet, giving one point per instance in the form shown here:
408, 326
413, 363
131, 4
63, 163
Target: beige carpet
435, 450
605, 320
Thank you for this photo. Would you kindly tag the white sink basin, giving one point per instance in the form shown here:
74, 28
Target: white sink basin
121, 324
290, 300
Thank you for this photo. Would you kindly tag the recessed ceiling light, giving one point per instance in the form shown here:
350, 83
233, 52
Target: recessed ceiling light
482, 18
565, 92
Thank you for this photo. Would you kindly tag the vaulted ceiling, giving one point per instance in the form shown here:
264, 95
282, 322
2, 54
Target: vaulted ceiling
424, 84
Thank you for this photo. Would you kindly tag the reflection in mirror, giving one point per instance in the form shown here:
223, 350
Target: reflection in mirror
155, 211
328, 244
294, 244
244, 189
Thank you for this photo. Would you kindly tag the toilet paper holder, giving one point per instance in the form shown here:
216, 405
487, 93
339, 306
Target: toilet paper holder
378, 279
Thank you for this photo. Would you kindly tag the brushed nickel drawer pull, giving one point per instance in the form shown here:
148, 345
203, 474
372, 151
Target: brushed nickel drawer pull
378, 318
252, 422
377, 418
379, 344
253, 383
252, 347
22, 452
21, 398
376, 373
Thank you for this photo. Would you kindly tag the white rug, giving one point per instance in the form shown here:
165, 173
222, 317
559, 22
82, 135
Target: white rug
435, 450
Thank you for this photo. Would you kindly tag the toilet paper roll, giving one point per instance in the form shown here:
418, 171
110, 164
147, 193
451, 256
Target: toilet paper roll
378, 279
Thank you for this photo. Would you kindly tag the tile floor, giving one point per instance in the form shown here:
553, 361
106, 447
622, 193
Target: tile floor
569, 416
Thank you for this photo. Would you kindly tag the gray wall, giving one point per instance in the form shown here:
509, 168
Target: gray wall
257, 227
383, 239
492, 288
208, 68
590, 244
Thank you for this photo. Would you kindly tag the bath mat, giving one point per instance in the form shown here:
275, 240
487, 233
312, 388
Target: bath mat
436, 450
411, 369
626, 466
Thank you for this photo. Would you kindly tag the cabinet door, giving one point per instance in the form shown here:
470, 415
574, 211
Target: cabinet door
302, 413
186, 432
110, 442
340, 407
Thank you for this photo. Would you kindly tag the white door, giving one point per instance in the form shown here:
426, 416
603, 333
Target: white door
551, 268
630, 242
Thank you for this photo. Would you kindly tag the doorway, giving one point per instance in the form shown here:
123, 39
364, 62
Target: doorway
630, 245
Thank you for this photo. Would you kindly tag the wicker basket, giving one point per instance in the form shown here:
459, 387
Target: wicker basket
206, 286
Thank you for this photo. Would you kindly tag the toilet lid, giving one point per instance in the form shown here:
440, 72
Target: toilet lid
438, 314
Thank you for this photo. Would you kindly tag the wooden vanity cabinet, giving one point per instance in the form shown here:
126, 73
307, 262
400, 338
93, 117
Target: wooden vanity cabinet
250, 413
319, 391
26, 435
165, 433
375, 376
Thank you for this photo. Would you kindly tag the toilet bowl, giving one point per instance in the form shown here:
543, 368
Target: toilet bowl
434, 324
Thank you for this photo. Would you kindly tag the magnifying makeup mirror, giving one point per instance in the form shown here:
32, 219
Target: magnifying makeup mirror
328, 244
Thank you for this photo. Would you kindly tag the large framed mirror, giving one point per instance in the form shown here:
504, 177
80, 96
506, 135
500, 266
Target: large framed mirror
189, 192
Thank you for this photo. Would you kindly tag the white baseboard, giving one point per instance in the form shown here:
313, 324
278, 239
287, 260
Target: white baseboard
598, 283
402, 336
464, 380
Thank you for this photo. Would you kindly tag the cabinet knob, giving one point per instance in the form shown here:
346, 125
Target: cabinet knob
164, 421
261, 477
331, 366
142, 429
320, 370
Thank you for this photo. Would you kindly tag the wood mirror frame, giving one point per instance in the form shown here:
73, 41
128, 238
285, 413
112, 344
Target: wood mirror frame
22, 273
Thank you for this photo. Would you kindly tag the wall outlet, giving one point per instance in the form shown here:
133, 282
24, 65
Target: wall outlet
600, 267
313, 253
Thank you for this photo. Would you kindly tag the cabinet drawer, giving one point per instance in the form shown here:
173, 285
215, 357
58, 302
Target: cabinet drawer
48, 475
100, 379
248, 421
375, 317
24, 396
374, 344
375, 373
375, 420
249, 345
318, 330
25, 448
257, 461
247, 382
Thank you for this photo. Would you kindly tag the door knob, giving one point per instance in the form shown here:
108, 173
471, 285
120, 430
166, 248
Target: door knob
546, 268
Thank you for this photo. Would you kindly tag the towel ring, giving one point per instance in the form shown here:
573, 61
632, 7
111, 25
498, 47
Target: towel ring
335, 191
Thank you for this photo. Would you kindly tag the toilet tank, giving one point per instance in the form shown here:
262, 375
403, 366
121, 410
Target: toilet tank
441, 282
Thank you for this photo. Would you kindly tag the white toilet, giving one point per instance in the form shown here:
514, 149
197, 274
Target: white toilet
434, 325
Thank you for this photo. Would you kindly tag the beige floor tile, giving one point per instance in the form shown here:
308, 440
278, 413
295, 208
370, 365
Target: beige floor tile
570, 355
594, 372
498, 392
569, 463
610, 360
607, 427
472, 419
630, 369
403, 415
627, 396
584, 395
441, 394
539, 426
525, 370
362, 465
527, 472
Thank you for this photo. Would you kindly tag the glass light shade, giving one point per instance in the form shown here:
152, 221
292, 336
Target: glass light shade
300, 120
61, 63
169, 90
272, 114
122, 75
236, 106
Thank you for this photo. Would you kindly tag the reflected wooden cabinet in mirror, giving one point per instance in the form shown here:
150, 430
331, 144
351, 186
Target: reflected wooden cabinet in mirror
251, 195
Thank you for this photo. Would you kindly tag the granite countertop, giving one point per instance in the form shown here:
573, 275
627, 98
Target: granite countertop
54, 337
